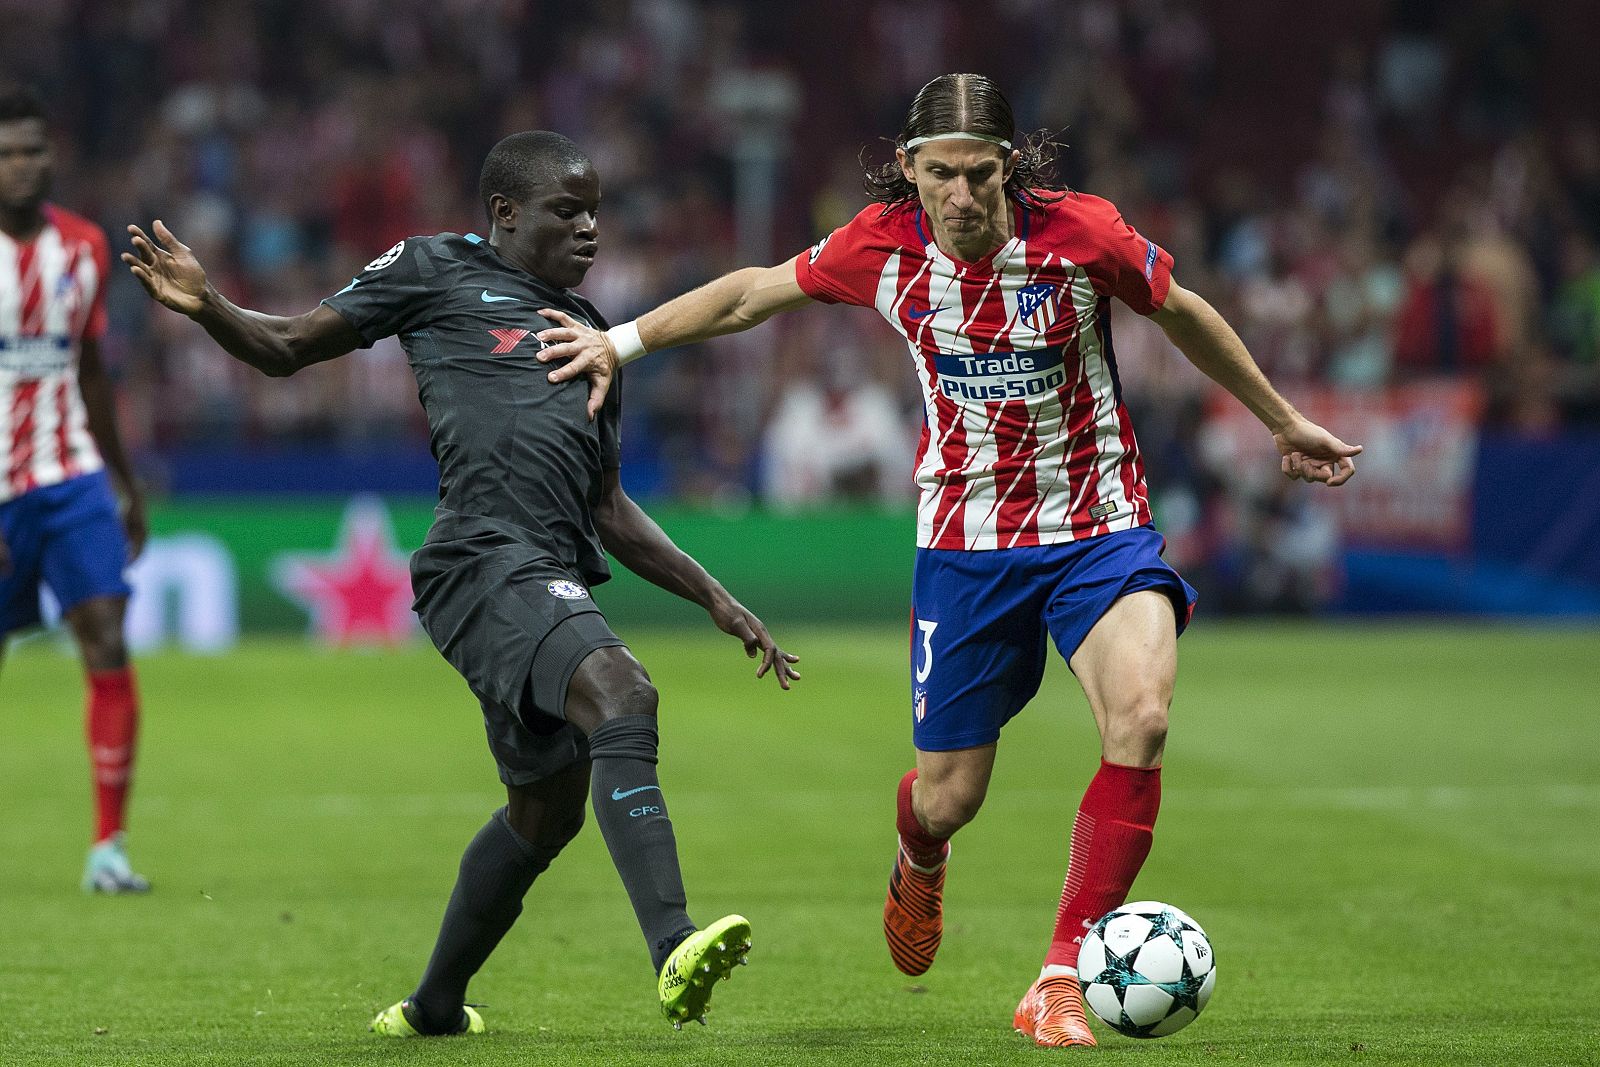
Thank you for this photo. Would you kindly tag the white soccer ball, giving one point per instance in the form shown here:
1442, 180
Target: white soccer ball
1146, 969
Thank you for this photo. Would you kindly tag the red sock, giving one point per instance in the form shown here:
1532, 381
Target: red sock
924, 849
113, 724
1110, 839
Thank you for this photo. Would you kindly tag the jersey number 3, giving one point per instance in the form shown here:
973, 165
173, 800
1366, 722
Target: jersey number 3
926, 629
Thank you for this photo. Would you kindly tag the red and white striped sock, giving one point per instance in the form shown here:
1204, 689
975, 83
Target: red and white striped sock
1110, 840
112, 727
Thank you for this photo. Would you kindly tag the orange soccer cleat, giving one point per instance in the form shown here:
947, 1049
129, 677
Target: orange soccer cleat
1051, 1013
913, 913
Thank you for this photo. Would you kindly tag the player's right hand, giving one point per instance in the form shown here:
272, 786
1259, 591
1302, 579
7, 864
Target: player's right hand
1311, 454
168, 271
734, 618
588, 351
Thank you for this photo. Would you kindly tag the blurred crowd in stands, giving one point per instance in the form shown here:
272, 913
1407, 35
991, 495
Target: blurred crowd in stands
1392, 190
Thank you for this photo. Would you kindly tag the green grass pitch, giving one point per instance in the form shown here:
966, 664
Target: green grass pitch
1390, 835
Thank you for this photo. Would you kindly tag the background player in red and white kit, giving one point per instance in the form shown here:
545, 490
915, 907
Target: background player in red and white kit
58, 516
1034, 516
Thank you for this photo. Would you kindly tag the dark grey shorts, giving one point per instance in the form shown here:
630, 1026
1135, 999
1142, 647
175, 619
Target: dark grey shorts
516, 626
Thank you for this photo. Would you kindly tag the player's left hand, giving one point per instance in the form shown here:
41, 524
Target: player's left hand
1312, 454
734, 618
588, 351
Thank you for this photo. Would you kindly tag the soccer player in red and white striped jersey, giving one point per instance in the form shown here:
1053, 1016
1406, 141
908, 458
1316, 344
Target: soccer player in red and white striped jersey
59, 523
1034, 516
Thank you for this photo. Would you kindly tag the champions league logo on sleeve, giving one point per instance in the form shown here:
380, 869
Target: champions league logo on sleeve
1038, 305
816, 249
387, 258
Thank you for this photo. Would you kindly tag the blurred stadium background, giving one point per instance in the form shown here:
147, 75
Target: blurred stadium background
1396, 202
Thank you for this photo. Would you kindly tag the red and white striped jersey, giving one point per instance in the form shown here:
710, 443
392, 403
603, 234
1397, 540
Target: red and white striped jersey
52, 298
1026, 440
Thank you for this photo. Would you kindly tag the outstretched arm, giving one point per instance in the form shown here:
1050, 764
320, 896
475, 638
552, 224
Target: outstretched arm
732, 303
1309, 452
275, 345
641, 546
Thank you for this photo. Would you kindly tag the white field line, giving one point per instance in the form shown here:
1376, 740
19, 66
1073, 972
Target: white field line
1398, 798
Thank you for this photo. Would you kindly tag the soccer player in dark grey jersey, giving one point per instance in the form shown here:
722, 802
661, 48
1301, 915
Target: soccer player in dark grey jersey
529, 502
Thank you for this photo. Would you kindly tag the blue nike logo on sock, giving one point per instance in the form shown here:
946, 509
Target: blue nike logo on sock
488, 299
914, 314
617, 794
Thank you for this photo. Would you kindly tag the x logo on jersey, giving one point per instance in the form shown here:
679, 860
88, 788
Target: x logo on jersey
508, 340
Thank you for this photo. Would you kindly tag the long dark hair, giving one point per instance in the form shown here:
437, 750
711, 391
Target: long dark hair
969, 103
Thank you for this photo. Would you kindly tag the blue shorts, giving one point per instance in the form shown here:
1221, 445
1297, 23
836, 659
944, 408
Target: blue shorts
979, 622
67, 536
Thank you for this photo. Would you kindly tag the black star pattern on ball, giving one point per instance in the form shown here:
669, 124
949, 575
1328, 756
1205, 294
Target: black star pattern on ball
1167, 922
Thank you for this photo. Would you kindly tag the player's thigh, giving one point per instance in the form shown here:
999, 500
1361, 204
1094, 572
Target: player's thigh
1128, 662
19, 579
515, 625
82, 559
977, 646
608, 682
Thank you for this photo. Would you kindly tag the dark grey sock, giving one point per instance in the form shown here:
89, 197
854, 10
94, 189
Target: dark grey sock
633, 818
496, 871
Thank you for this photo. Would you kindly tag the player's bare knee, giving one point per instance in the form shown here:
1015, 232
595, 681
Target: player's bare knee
945, 811
97, 626
104, 652
1140, 727
608, 685
546, 824
639, 697
562, 830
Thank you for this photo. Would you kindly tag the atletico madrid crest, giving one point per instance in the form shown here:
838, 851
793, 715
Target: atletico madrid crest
1038, 305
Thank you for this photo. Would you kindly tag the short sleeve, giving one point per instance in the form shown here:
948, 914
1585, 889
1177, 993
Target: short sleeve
843, 267
1126, 264
392, 294
610, 420
94, 326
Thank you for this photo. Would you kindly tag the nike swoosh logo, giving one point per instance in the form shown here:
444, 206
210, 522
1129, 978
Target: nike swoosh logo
487, 298
617, 794
915, 315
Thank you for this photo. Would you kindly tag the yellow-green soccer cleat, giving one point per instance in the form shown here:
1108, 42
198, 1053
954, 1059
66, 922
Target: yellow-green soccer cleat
695, 966
392, 1022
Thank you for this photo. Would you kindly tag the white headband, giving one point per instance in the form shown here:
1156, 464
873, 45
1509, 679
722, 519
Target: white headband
915, 141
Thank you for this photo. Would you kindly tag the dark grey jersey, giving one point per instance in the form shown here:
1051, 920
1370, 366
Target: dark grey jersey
519, 460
